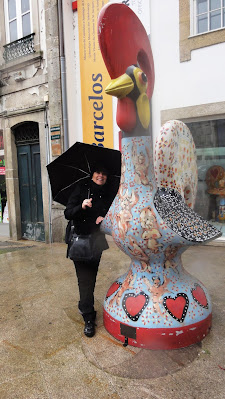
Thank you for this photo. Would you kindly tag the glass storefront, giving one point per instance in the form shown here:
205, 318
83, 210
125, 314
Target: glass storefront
209, 138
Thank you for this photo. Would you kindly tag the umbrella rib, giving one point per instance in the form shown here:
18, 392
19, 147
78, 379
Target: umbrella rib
64, 188
87, 163
74, 167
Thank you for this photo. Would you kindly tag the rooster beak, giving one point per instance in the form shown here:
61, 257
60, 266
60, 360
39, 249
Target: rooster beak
120, 87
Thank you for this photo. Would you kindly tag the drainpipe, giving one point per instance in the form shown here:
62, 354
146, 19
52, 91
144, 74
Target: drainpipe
63, 75
48, 161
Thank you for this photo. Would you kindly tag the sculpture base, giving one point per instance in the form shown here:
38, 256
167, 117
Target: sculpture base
157, 338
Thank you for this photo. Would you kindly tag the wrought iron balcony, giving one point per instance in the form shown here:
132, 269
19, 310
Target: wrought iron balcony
19, 48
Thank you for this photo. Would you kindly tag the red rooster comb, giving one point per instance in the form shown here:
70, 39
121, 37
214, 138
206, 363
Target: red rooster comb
123, 42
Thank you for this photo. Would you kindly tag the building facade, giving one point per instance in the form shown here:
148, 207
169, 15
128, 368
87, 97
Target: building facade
30, 109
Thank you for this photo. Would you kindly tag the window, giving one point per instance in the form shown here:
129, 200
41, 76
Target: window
190, 37
18, 19
209, 138
209, 15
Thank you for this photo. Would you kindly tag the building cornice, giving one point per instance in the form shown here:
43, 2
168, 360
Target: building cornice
11, 113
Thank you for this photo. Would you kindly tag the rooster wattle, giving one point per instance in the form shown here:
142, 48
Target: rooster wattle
156, 304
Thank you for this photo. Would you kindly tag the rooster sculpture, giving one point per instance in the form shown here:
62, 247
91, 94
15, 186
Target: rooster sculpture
156, 304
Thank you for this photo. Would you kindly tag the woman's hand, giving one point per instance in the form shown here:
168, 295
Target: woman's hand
87, 203
99, 220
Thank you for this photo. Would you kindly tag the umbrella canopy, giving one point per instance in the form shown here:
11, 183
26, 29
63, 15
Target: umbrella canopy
77, 164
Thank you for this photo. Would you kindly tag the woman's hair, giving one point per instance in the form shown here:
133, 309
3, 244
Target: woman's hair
99, 167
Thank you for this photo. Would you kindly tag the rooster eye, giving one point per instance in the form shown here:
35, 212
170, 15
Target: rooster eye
144, 77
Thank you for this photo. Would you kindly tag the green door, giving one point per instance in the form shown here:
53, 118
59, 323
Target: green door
31, 206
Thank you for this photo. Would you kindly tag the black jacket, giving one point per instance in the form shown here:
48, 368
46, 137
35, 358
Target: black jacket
84, 220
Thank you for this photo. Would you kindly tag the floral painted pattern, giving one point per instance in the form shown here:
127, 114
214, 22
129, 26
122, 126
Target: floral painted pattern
175, 160
154, 230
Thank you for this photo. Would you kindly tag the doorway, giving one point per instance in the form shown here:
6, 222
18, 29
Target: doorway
30, 188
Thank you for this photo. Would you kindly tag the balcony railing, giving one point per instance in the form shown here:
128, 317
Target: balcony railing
19, 48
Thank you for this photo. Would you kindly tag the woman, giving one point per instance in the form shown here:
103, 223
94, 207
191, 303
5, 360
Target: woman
87, 207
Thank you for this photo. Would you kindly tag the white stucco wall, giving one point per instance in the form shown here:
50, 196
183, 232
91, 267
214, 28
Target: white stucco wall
199, 81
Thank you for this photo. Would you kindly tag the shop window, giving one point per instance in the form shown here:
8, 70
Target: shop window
18, 19
209, 138
208, 15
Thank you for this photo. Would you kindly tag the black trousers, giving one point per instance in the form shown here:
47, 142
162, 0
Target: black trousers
86, 276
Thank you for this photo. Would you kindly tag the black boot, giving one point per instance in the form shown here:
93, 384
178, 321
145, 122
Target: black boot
89, 329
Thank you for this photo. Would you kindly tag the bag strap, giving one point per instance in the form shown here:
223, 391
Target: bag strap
72, 226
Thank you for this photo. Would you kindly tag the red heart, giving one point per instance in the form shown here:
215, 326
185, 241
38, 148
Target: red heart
177, 307
114, 287
214, 172
199, 296
134, 305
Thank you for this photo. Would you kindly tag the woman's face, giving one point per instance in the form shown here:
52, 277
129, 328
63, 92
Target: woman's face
99, 178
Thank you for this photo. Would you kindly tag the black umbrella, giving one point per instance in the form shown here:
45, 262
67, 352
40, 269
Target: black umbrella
77, 164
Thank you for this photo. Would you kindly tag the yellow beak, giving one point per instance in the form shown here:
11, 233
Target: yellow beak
120, 86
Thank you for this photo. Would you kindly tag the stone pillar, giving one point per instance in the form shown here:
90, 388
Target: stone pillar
55, 99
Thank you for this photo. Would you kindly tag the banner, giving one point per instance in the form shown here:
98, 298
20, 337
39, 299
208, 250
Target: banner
96, 105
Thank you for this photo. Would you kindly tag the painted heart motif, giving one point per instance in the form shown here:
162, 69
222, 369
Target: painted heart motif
199, 296
177, 307
134, 305
214, 173
114, 287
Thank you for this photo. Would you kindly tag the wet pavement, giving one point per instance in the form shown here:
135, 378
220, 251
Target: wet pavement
4, 230
44, 354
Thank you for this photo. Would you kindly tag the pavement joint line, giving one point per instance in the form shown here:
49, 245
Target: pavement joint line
50, 354
17, 347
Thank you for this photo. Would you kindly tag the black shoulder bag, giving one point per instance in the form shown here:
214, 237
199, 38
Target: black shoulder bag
83, 247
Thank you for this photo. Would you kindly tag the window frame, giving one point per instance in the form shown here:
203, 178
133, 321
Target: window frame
189, 42
194, 20
18, 18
